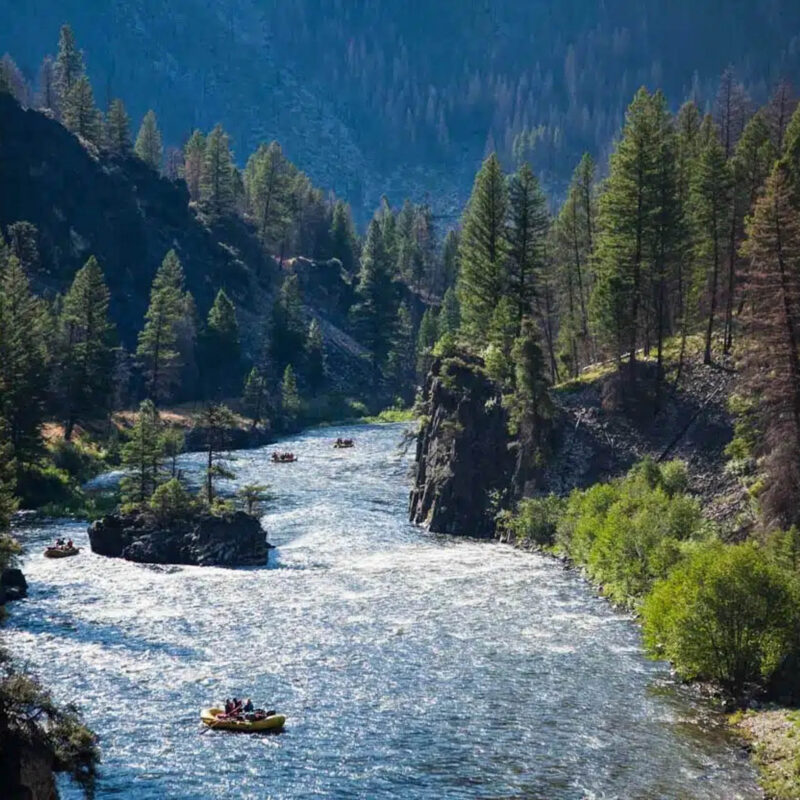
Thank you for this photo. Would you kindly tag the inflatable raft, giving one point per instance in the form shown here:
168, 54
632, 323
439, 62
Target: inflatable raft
215, 718
61, 552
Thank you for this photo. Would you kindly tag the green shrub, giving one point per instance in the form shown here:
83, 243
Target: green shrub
535, 520
77, 460
171, 501
727, 613
41, 484
631, 532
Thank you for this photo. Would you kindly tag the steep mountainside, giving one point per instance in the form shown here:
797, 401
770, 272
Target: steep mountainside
404, 99
123, 213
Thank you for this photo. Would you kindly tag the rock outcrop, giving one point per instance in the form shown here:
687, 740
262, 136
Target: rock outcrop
232, 540
463, 465
13, 585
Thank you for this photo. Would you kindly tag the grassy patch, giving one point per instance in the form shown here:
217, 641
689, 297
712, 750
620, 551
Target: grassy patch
774, 737
393, 415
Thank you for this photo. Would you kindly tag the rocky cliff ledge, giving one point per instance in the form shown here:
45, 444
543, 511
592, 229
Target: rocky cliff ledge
232, 540
463, 465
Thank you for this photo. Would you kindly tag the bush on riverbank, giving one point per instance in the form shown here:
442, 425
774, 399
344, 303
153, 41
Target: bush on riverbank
630, 532
727, 613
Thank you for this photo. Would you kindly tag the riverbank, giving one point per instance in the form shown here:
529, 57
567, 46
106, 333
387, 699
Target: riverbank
773, 738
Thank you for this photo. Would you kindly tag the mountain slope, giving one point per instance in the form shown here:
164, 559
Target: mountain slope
405, 98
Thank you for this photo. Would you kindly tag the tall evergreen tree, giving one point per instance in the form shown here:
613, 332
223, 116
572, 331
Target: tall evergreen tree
217, 183
194, 156
87, 354
216, 422
69, 68
255, 397
710, 201
290, 397
400, 366
772, 363
450, 263
450, 316
373, 314
79, 112
527, 229
141, 456
483, 250
268, 184
148, 142
624, 221
47, 96
221, 348
118, 129
344, 244
23, 362
288, 323
426, 340
158, 351
315, 357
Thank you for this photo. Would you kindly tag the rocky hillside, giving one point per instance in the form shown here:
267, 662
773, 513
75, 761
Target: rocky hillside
404, 98
465, 457
127, 216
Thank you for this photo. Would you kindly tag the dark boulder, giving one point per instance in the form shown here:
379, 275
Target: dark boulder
463, 464
13, 585
233, 540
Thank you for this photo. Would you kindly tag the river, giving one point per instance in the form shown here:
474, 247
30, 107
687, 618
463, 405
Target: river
410, 665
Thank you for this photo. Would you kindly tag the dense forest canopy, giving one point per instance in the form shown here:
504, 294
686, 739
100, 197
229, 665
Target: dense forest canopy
406, 99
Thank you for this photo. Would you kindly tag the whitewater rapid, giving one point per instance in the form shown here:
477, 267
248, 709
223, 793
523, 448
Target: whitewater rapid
409, 665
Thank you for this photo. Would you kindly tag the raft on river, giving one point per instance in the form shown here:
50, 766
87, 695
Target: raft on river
216, 718
61, 552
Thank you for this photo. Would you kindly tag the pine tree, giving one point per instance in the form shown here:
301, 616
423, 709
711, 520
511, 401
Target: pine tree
79, 113
8, 501
194, 156
344, 244
14, 80
23, 362
267, 185
527, 229
158, 351
450, 263
687, 124
141, 456
483, 251
221, 348
288, 323
574, 240
47, 96
772, 363
118, 129
530, 405
426, 340
749, 168
400, 372
87, 355
69, 67
778, 112
290, 397
373, 314
215, 422
624, 222
315, 357
216, 183
503, 329
667, 234
710, 199
23, 241
148, 142
730, 111
255, 397
450, 316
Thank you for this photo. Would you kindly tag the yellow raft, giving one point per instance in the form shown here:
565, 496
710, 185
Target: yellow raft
61, 552
211, 717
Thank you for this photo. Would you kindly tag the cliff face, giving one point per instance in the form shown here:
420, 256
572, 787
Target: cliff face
463, 464
26, 772
465, 456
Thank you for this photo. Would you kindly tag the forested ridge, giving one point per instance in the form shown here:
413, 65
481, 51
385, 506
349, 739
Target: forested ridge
355, 89
683, 246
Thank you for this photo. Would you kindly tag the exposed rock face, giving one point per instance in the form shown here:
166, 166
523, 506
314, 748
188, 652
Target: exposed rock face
26, 772
463, 465
13, 585
233, 540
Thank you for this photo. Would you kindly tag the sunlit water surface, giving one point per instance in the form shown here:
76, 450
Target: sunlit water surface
409, 665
